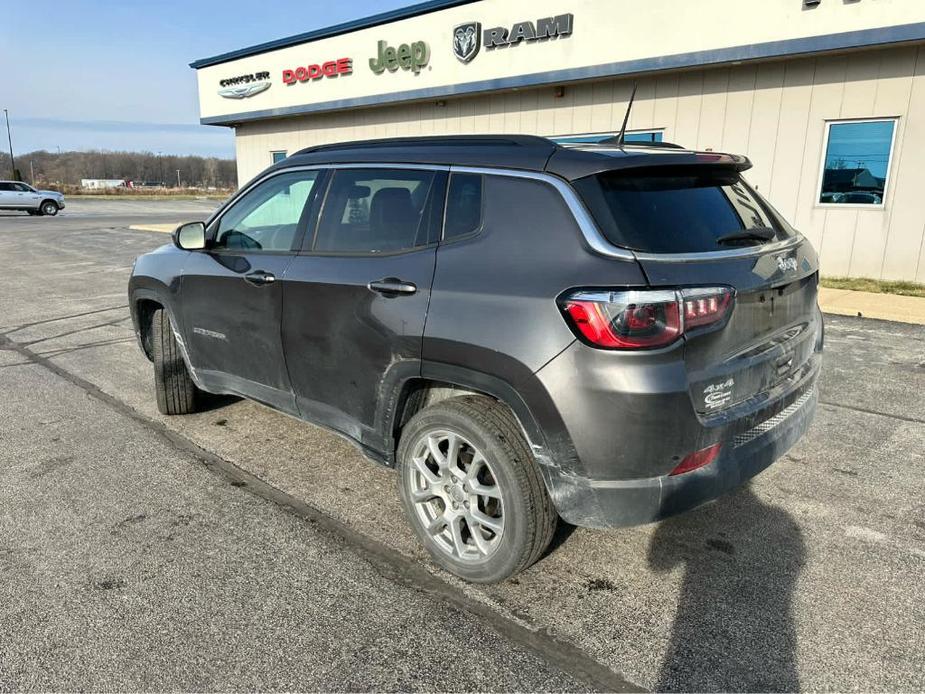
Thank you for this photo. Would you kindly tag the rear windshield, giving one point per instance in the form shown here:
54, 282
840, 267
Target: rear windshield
679, 209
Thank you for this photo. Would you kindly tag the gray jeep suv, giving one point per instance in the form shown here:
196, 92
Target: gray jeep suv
605, 333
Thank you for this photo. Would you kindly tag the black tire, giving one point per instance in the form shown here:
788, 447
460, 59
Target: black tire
49, 208
176, 392
529, 516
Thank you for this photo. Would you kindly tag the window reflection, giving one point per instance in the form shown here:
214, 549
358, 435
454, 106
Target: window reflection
631, 136
857, 158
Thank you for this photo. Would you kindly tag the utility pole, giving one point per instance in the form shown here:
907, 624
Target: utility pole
32, 171
178, 178
10, 140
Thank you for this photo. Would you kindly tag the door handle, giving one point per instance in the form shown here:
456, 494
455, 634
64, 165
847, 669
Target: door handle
392, 285
260, 278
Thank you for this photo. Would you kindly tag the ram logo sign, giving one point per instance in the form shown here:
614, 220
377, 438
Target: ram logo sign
467, 39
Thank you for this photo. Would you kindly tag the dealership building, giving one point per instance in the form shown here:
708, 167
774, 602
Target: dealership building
826, 97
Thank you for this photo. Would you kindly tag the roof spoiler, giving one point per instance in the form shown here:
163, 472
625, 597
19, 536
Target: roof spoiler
572, 164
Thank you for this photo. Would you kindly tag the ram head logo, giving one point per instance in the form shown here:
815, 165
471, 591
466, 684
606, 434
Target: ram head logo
467, 39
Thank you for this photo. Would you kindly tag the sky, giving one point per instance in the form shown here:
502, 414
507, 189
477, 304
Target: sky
115, 75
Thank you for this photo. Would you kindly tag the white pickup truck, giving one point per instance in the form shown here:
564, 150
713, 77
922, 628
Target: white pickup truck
15, 195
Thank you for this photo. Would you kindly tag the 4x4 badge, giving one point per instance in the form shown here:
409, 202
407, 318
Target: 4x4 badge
718, 394
467, 39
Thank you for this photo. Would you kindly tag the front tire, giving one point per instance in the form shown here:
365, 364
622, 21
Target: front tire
49, 208
472, 491
175, 390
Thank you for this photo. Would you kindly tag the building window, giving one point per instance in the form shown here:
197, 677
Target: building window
856, 163
631, 136
278, 156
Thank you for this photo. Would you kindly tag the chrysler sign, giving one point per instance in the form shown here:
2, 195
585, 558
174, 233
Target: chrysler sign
244, 86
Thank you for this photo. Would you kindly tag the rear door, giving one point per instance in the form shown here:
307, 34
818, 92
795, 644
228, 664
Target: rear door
7, 195
355, 299
705, 227
231, 293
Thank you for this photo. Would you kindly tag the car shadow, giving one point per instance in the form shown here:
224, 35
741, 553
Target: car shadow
734, 628
208, 402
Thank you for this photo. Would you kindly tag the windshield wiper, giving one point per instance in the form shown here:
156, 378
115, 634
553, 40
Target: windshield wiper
756, 234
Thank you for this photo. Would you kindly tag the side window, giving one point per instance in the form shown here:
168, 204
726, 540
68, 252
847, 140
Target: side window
6, 187
857, 162
463, 206
375, 211
267, 217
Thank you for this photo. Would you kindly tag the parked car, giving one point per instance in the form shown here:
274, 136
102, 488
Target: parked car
15, 195
526, 331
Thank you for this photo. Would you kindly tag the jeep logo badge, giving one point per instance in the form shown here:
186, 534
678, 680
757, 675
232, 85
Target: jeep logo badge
467, 39
786, 264
407, 57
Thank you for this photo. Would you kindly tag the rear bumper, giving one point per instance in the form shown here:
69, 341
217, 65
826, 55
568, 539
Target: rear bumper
745, 453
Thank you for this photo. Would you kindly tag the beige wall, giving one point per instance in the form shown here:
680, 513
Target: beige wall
775, 112
604, 32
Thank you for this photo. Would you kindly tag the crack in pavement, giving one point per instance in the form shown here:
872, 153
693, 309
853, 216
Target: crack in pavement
388, 562
864, 410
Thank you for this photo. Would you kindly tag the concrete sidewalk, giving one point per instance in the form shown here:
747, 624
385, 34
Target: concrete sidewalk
160, 228
845, 302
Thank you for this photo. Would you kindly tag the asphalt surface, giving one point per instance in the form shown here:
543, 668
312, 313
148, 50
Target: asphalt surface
238, 548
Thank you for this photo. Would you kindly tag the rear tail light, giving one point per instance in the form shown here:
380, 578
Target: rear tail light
699, 459
644, 319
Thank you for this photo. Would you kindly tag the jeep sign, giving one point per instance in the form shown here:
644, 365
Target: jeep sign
407, 57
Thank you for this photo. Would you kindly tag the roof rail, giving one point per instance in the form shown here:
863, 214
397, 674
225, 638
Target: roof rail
616, 141
437, 140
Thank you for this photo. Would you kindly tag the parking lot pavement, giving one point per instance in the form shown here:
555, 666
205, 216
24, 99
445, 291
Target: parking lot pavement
807, 579
156, 208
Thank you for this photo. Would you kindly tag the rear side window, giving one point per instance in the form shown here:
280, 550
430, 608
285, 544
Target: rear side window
376, 211
678, 209
463, 206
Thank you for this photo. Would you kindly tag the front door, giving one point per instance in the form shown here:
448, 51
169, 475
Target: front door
231, 293
26, 196
355, 299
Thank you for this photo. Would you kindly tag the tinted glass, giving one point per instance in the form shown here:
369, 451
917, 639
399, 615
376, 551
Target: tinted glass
676, 210
6, 186
266, 218
463, 206
857, 158
375, 211
22, 188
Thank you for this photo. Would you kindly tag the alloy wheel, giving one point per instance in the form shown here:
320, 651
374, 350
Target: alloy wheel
456, 496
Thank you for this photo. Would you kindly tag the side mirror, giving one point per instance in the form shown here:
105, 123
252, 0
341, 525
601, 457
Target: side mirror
190, 236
